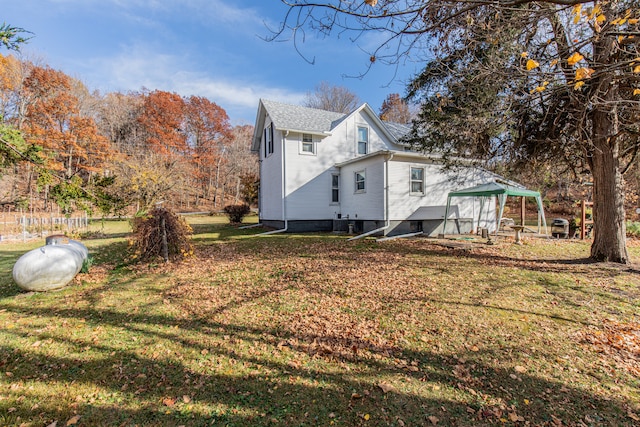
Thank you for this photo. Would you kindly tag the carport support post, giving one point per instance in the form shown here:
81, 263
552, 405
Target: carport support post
502, 199
446, 215
522, 210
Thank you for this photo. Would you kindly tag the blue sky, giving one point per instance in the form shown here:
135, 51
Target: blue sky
210, 48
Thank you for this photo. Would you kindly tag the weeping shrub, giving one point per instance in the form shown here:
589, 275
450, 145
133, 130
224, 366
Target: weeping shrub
161, 234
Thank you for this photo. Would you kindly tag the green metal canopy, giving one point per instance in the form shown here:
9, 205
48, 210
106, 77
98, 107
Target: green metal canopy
499, 190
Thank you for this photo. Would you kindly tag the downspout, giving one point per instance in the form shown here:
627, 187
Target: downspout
284, 191
386, 202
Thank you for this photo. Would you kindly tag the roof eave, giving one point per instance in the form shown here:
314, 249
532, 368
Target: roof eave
310, 132
417, 156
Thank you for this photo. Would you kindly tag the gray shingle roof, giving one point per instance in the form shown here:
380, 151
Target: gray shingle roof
296, 117
312, 120
397, 130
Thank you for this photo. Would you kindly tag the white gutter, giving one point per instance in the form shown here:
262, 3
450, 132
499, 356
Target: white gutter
368, 233
244, 227
386, 202
284, 191
310, 132
400, 236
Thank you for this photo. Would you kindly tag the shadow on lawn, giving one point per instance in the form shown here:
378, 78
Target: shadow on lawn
220, 368
585, 267
269, 391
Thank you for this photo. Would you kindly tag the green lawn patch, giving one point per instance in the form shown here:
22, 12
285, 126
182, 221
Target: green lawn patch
313, 330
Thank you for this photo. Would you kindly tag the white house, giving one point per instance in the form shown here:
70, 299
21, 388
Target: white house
324, 171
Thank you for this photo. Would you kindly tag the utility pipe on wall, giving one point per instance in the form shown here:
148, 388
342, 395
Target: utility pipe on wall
386, 203
284, 189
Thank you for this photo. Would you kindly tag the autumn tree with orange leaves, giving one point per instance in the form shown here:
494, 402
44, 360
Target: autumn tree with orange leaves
207, 128
395, 109
162, 120
53, 120
118, 149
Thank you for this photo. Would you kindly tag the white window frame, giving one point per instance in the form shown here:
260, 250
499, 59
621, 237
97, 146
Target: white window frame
335, 188
412, 180
363, 173
306, 140
365, 142
268, 140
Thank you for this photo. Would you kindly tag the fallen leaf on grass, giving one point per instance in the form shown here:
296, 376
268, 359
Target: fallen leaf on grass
168, 401
386, 387
73, 420
513, 417
53, 424
186, 399
633, 416
520, 369
434, 420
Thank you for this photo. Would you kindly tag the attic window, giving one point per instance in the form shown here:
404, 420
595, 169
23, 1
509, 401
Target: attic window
307, 146
268, 140
363, 140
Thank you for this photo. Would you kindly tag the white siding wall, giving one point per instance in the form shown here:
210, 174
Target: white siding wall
309, 176
370, 204
271, 178
438, 183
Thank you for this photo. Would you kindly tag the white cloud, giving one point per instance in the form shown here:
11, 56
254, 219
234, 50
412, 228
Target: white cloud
140, 66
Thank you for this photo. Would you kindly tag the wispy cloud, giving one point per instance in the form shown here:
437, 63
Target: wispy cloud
140, 66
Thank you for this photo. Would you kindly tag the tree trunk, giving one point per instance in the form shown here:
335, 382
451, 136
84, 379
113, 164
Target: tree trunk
610, 240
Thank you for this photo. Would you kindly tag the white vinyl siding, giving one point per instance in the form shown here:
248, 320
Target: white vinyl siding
310, 193
437, 184
367, 205
271, 179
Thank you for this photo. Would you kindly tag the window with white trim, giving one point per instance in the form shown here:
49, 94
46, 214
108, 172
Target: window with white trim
268, 140
307, 146
417, 180
335, 188
363, 140
360, 182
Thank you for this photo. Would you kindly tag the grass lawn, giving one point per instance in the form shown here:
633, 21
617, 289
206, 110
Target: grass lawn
313, 330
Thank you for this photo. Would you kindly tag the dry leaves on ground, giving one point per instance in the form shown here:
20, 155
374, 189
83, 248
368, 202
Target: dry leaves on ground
620, 341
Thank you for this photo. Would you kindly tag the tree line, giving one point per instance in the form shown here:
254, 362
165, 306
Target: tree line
65, 145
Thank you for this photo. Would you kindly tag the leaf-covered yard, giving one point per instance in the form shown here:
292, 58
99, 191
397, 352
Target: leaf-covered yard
314, 330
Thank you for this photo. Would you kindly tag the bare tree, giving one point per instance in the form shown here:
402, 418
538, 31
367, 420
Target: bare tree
327, 97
